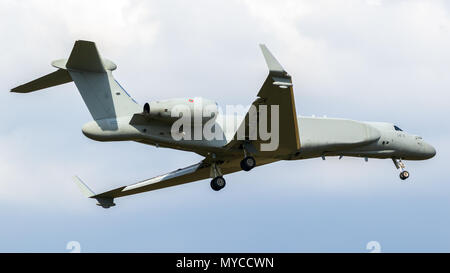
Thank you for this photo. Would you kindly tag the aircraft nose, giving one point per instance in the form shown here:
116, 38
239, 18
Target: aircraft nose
429, 151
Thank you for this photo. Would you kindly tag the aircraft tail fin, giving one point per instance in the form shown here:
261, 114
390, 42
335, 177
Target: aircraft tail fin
104, 97
85, 57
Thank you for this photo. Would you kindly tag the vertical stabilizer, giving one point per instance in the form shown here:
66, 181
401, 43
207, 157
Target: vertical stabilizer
103, 95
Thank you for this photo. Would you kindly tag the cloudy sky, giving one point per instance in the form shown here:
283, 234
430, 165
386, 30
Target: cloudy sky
366, 60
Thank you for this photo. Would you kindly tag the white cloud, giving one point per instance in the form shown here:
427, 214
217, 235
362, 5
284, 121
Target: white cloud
374, 2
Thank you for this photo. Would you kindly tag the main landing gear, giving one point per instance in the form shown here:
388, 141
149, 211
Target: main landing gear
248, 162
218, 182
400, 165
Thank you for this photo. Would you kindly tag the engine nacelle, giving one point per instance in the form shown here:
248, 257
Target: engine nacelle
171, 110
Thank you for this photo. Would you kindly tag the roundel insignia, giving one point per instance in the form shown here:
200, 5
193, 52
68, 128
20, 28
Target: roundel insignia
191, 100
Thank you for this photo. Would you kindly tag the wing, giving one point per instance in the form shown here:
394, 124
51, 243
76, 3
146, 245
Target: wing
193, 173
276, 90
199, 171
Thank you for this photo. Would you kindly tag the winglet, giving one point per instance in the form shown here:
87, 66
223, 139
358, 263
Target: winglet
104, 202
272, 63
83, 187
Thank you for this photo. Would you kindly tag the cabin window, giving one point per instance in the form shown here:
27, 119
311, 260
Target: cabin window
397, 128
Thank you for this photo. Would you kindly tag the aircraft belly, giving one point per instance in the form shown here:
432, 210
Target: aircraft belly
326, 134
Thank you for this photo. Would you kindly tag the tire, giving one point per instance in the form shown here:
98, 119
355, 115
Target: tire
248, 163
404, 175
218, 183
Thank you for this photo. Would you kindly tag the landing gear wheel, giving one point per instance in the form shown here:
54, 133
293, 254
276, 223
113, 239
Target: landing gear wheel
218, 183
404, 175
248, 163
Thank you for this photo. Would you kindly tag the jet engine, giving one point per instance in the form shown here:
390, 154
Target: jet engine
198, 109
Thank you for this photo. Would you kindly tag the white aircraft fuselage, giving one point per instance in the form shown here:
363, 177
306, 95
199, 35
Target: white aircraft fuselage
319, 137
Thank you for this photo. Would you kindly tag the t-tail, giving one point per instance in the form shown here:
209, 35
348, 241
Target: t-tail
103, 95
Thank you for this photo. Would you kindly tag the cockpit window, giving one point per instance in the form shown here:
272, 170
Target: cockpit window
397, 129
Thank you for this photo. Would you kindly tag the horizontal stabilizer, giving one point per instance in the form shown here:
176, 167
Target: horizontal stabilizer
85, 57
58, 77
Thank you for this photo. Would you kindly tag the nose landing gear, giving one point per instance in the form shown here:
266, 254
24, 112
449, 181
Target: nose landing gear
400, 165
404, 175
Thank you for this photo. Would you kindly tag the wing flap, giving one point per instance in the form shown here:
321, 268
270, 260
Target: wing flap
181, 176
